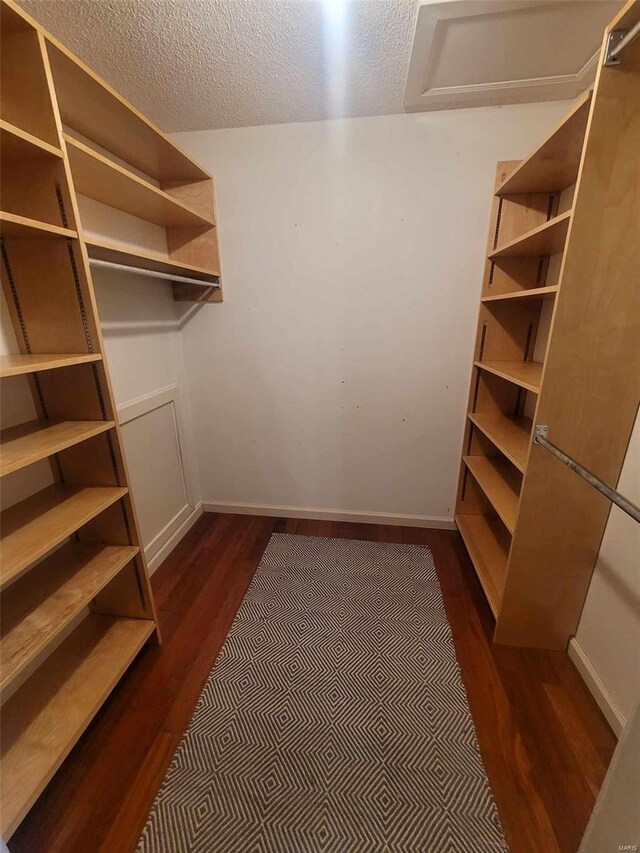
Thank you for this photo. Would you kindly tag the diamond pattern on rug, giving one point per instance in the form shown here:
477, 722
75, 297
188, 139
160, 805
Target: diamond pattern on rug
335, 719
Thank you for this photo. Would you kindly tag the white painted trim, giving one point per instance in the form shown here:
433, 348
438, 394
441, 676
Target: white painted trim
363, 517
141, 406
606, 703
163, 552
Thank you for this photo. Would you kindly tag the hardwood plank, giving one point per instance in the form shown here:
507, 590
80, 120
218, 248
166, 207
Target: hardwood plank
44, 719
554, 165
18, 144
488, 547
12, 225
526, 374
547, 239
530, 293
106, 251
511, 435
27, 443
18, 364
34, 526
96, 176
499, 482
100, 797
39, 606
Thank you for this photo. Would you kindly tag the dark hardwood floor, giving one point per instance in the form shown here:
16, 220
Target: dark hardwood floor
544, 742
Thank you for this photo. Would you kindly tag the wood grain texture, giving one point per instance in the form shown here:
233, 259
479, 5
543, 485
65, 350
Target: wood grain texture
546, 239
500, 482
554, 165
511, 435
97, 177
34, 526
17, 144
26, 443
529, 293
38, 606
107, 251
591, 384
43, 720
13, 225
526, 374
18, 364
544, 742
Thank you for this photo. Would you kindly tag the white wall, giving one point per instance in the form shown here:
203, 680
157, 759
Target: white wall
606, 647
334, 377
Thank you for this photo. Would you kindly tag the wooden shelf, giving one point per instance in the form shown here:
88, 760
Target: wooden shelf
40, 605
498, 480
12, 225
547, 239
47, 715
27, 443
526, 374
19, 364
531, 293
554, 165
17, 144
96, 176
105, 251
511, 435
36, 525
488, 546
91, 107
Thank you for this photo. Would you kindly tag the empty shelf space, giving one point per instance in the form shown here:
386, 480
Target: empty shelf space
498, 480
39, 606
91, 107
526, 374
546, 239
43, 720
12, 225
532, 293
27, 443
133, 257
96, 176
554, 165
19, 364
17, 144
488, 546
34, 526
510, 435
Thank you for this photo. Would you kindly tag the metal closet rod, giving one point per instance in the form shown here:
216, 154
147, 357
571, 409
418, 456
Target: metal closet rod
618, 40
167, 276
541, 431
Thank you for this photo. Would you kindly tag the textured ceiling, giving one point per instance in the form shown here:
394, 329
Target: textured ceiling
198, 64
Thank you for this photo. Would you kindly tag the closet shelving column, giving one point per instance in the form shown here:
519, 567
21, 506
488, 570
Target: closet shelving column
557, 345
525, 231
74, 589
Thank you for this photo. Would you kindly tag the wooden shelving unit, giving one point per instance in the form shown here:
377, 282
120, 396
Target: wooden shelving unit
531, 526
76, 604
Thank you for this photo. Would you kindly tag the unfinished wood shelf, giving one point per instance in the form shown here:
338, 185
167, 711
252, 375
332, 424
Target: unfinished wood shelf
27, 443
20, 364
531, 293
43, 720
12, 225
132, 257
531, 526
547, 239
17, 144
497, 480
34, 526
510, 434
488, 545
554, 165
526, 374
96, 176
37, 608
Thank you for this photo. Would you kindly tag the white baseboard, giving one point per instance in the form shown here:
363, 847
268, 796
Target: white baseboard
318, 514
154, 561
607, 705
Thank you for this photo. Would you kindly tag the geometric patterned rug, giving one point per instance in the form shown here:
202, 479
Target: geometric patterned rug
335, 718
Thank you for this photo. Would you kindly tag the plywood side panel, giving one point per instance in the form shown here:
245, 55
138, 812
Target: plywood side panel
591, 382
